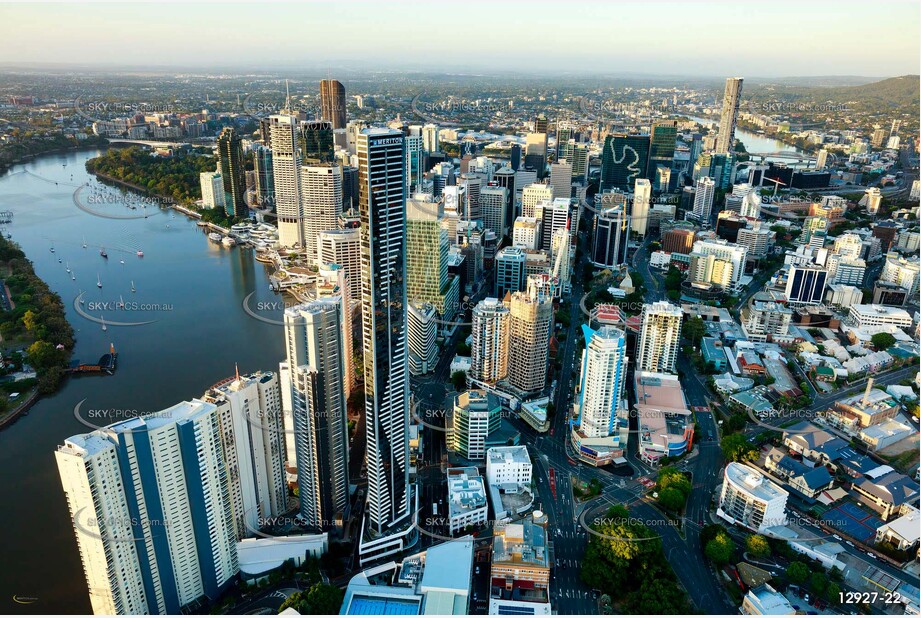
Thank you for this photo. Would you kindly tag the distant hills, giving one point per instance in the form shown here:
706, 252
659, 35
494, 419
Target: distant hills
895, 91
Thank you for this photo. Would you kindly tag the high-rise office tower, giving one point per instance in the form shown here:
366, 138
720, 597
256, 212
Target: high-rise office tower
343, 248
489, 352
427, 249
564, 141
734, 256
421, 336
553, 216
321, 198
430, 141
660, 332
233, 172
265, 179
493, 205
821, 159
476, 415
624, 159
332, 102
315, 140
580, 164
515, 156
561, 179
662, 145
286, 164
611, 232
639, 212
382, 207
471, 184
315, 376
530, 318
414, 161
505, 178
152, 510
541, 124
703, 199
510, 270
694, 150
250, 415
726, 139
531, 195
535, 154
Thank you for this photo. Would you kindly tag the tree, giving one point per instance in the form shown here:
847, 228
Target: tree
818, 583
736, 448
882, 341
797, 572
459, 380
660, 597
694, 330
833, 592
720, 548
671, 499
757, 546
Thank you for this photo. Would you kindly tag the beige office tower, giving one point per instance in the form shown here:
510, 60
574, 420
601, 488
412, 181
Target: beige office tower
729, 116
532, 195
489, 352
660, 332
530, 319
321, 199
561, 179
639, 213
286, 164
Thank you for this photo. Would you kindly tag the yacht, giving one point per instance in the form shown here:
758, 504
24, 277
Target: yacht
227, 241
214, 237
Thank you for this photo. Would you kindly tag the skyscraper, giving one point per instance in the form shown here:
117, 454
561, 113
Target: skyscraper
421, 335
315, 376
662, 145
639, 213
321, 199
624, 159
703, 199
286, 163
265, 179
530, 318
493, 205
427, 246
332, 102
611, 232
806, 284
726, 139
382, 208
660, 332
600, 433
531, 195
489, 352
315, 139
233, 172
561, 179
152, 510
343, 248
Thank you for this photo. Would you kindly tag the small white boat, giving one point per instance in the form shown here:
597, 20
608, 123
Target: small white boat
227, 241
80, 296
98, 281
121, 261
140, 253
68, 266
214, 237
72, 277
121, 302
103, 323
84, 242
52, 248
132, 287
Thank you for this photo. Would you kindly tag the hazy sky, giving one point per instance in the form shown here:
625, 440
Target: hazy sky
740, 37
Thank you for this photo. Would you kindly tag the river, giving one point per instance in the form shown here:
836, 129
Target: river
192, 289
752, 141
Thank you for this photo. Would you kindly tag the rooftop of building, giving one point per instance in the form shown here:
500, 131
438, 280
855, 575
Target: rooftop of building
521, 542
753, 482
508, 455
466, 490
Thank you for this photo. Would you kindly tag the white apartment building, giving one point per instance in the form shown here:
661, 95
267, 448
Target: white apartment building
532, 195
508, 464
878, 315
422, 337
526, 233
639, 212
703, 199
660, 332
735, 254
490, 331
343, 248
750, 499
321, 198
904, 272
212, 190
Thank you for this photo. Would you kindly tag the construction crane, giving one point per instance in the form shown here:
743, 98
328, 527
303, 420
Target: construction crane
777, 183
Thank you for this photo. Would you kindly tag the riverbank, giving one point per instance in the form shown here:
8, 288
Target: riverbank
7, 163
